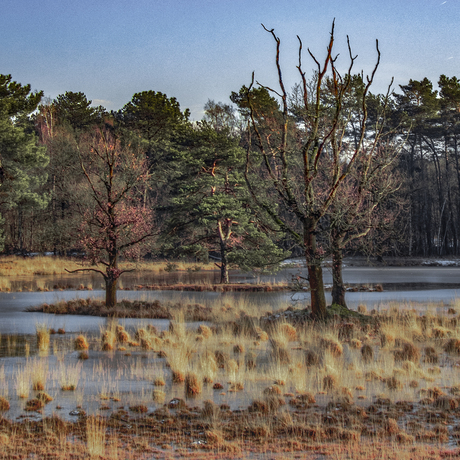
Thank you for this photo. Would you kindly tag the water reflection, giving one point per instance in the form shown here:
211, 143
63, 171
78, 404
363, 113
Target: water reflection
15, 320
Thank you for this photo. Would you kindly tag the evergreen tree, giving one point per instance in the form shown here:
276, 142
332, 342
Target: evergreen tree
22, 161
211, 207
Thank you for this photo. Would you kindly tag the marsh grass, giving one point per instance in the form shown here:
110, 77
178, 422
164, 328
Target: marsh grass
307, 383
69, 376
43, 337
95, 436
22, 382
12, 266
39, 374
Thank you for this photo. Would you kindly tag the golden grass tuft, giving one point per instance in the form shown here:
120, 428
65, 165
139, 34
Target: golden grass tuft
289, 331
355, 344
177, 376
108, 340
34, 405
330, 382
122, 335
407, 352
45, 397
159, 396
312, 358
81, 343
367, 353
4, 439
193, 385
43, 337
279, 352
204, 331
95, 437
4, 404
452, 346
332, 345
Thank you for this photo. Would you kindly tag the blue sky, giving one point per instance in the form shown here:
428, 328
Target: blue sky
197, 50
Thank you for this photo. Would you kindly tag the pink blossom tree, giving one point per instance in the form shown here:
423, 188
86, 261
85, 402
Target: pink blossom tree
117, 222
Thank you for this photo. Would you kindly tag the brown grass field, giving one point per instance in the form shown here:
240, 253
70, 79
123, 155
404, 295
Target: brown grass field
13, 266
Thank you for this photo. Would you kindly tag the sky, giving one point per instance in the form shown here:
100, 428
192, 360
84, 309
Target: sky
195, 50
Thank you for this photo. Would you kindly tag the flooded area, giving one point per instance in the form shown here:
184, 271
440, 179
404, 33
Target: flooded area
124, 377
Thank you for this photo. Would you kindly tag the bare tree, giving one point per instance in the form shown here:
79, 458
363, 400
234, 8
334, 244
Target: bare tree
292, 151
117, 222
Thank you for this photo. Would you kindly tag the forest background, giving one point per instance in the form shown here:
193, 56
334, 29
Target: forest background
145, 181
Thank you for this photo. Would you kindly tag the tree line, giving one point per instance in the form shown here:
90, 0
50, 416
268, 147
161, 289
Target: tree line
320, 170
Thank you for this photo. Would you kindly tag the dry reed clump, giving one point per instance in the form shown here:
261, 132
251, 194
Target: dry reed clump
178, 358
439, 332
272, 390
332, 345
139, 409
312, 358
430, 355
69, 377
108, 340
346, 331
177, 326
279, 352
45, 397
268, 404
95, 437
362, 309
238, 348
289, 331
250, 360
204, 331
356, 344
159, 382
43, 337
208, 367
222, 357
4, 404
4, 439
159, 396
177, 376
211, 411
193, 385
262, 336
367, 353
407, 351
122, 335
387, 339
452, 346
393, 383
446, 403
34, 405
330, 382
38, 373
81, 343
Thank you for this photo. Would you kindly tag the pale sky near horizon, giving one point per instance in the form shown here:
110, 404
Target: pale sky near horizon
195, 50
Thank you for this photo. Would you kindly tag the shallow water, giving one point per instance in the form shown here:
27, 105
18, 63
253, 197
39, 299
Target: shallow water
128, 376
15, 320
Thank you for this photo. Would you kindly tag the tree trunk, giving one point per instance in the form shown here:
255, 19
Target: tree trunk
315, 275
110, 292
338, 287
224, 278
